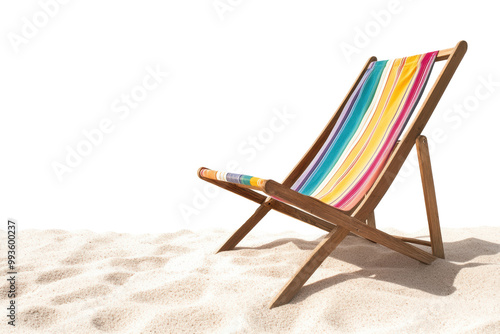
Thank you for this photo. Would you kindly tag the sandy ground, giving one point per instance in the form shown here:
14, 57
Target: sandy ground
85, 282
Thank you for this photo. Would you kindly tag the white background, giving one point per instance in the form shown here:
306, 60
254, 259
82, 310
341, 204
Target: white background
228, 70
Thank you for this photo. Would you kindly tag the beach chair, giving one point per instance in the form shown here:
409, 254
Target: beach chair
339, 182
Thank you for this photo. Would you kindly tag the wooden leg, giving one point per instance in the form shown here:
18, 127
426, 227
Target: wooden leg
430, 196
261, 211
371, 220
320, 253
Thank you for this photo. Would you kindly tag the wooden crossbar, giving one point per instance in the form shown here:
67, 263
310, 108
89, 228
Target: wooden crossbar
413, 240
444, 54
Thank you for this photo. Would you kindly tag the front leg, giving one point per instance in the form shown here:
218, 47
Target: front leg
320, 253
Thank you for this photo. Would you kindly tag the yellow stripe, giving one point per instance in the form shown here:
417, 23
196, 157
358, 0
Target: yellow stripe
386, 110
327, 194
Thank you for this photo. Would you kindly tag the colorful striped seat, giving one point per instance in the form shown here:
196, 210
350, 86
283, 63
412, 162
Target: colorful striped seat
366, 132
339, 182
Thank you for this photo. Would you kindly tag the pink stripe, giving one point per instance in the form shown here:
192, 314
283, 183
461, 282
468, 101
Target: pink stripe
365, 144
359, 190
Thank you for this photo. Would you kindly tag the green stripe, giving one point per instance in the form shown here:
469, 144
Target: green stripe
355, 117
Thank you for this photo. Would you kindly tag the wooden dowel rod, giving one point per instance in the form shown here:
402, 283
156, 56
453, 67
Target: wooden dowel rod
413, 240
444, 54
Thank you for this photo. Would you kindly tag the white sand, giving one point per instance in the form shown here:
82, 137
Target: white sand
84, 282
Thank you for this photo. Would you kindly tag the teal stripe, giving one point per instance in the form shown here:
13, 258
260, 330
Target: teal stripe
245, 179
347, 132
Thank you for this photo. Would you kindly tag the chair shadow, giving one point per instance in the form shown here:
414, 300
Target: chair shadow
375, 260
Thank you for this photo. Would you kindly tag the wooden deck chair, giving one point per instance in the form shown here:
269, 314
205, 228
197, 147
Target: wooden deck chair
338, 183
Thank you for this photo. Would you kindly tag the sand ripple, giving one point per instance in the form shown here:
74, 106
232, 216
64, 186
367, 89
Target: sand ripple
84, 282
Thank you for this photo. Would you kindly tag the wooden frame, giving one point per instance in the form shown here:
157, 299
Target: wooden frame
360, 220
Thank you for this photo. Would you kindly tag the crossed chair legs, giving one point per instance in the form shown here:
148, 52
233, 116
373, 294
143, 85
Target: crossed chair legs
337, 223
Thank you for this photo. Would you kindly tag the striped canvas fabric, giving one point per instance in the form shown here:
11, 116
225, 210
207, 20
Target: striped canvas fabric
363, 137
366, 132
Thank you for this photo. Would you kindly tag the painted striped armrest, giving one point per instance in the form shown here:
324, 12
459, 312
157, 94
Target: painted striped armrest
246, 181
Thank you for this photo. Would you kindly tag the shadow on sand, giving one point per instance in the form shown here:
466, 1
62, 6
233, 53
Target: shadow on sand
375, 260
